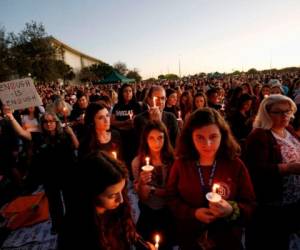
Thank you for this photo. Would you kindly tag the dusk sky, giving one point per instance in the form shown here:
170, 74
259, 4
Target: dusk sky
154, 36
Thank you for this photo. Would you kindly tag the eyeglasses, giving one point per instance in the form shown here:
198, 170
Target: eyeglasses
281, 112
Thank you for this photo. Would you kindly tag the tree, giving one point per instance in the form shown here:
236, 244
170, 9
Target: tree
95, 72
86, 75
101, 70
161, 77
121, 68
134, 74
171, 77
252, 71
31, 52
64, 70
5, 69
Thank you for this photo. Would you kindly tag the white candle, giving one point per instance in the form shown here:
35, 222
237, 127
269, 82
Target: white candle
130, 113
147, 167
214, 196
215, 188
157, 239
154, 101
114, 153
179, 115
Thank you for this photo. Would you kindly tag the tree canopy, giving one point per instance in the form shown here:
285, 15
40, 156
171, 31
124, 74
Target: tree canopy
31, 52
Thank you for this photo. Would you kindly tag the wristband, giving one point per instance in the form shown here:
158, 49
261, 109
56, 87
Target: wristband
235, 211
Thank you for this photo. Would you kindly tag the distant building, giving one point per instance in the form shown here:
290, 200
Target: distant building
74, 58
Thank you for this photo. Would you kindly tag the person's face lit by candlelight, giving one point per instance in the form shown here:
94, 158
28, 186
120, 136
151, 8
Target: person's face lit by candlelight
207, 140
265, 91
111, 198
155, 140
160, 99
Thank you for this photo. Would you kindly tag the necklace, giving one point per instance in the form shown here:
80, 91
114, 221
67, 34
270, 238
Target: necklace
204, 187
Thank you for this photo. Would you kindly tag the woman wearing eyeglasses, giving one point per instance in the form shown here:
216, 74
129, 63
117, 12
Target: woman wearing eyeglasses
54, 162
273, 157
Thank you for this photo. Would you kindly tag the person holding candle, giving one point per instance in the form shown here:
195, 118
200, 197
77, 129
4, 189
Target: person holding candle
61, 109
273, 157
156, 112
98, 134
101, 215
122, 118
150, 170
207, 154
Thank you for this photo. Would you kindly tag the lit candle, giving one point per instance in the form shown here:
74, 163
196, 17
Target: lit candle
223, 106
266, 96
179, 115
147, 167
154, 101
114, 153
214, 196
215, 188
157, 239
130, 113
65, 110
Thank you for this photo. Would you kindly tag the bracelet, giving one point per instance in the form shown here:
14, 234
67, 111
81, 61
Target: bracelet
235, 211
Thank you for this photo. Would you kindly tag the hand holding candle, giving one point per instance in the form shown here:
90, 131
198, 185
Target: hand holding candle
154, 101
114, 153
179, 116
213, 196
147, 167
130, 113
65, 113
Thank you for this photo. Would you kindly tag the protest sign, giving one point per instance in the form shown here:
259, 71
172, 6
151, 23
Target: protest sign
19, 94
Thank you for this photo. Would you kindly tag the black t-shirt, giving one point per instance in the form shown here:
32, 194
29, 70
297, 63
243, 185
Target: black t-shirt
121, 110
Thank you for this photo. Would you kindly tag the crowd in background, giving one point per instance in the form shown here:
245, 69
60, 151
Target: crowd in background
242, 132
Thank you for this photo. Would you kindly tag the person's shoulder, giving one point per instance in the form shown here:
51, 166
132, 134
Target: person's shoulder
258, 133
141, 116
115, 133
169, 116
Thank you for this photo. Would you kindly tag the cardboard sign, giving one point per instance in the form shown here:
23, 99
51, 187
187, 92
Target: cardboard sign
19, 94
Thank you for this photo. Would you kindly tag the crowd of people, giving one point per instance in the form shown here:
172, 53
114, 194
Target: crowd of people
173, 142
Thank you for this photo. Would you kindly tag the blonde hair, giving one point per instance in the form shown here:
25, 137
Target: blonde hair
263, 119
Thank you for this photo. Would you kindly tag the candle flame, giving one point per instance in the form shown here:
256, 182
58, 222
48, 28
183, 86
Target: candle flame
266, 96
114, 153
147, 160
157, 238
179, 114
215, 188
154, 101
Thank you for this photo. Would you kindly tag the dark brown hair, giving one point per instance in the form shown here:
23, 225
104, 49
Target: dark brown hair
229, 148
166, 153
